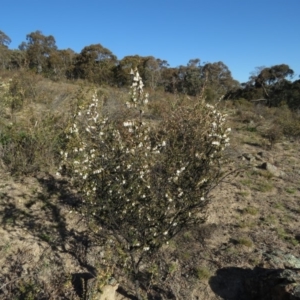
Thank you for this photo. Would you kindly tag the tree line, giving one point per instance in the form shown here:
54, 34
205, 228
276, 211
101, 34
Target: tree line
271, 85
99, 65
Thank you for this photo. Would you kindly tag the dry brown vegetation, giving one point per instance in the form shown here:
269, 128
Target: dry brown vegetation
46, 249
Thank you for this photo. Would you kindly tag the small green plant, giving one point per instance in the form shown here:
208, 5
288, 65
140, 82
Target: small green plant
263, 186
245, 242
279, 205
251, 210
243, 193
270, 219
5, 248
274, 134
202, 273
281, 233
188, 236
45, 237
246, 182
28, 289
293, 241
290, 190
172, 267
251, 128
245, 224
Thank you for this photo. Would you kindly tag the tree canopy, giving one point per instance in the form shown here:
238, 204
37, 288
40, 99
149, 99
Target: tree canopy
99, 65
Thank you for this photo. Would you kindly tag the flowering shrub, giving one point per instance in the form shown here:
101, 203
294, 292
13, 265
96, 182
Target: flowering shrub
140, 183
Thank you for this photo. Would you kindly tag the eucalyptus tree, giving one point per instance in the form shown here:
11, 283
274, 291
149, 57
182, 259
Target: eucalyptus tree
96, 64
38, 49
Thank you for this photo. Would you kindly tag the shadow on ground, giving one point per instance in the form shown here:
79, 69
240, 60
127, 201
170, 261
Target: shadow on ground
258, 284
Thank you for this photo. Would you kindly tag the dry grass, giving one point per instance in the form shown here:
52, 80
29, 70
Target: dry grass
262, 211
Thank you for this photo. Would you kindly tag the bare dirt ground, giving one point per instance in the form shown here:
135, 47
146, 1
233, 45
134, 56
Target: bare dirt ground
44, 244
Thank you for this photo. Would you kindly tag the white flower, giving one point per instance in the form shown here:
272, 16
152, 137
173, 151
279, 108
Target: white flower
215, 143
128, 123
165, 233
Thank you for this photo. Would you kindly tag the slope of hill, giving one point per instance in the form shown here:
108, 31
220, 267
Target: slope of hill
251, 235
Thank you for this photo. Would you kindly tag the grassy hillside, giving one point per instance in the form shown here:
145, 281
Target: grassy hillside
47, 251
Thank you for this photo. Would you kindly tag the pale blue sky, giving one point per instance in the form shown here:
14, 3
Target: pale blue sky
243, 34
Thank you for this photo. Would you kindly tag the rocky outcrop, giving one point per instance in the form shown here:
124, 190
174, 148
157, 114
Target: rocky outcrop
272, 169
276, 278
263, 160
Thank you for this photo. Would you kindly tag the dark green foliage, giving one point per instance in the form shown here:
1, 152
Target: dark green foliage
95, 63
271, 86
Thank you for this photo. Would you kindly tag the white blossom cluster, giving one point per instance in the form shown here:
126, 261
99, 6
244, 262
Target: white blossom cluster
138, 98
4, 86
145, 183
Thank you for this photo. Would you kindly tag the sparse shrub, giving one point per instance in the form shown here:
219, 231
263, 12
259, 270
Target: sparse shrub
284, 122
142, 184
31, 145
251, 210
274, 134
245, 242
202, 273
290, 190
242, 103
263, 186
31, 135
279, 205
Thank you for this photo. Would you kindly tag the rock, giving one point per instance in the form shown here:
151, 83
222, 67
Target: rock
272, 169
274, 284
282, 277
265, 156
278, 259
277, 278
248, 156
108, 292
